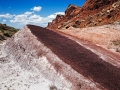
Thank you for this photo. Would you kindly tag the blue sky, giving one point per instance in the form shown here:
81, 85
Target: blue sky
18, 13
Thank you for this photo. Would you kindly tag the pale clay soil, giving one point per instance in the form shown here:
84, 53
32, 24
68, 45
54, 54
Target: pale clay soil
101, 35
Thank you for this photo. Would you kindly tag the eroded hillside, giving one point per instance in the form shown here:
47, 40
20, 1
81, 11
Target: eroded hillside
6, 31
88, 23
105, 36
28, 63
92, 13
79, 51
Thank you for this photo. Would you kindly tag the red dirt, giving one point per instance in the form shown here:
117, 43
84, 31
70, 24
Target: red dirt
81, 59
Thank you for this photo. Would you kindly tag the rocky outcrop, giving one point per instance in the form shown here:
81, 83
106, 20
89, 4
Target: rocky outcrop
97, 4
92, 13
57, 20
70, 13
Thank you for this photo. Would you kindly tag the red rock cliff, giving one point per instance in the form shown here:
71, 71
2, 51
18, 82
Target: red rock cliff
92, 13
70, 13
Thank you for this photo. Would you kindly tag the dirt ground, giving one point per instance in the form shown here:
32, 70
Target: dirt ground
103, 36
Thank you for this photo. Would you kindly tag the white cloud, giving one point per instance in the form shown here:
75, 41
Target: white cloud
36, 8
22, 18
28, 13
4, 21
61, 13
6, 15
32, 18
35, 16
35, 19
52, 16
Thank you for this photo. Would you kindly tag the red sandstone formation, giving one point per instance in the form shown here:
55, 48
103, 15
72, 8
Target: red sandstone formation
70, 13
92, 13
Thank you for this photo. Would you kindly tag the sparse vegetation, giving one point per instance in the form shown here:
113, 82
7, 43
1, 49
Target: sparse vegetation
2, 37
117, 42
77, 22
6, 31
7, 34
109, 16
118, 50
79, 85
67, 27
52, 87
75, 26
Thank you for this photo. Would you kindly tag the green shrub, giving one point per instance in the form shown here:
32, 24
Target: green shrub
2, 37
7, 34
6, 31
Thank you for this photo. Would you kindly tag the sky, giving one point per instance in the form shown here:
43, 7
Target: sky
18, 13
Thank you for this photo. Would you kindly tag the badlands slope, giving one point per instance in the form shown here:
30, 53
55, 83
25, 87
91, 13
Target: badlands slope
27, 64
36, 58
104, 36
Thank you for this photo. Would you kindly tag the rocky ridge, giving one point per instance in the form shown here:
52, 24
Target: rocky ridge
30, 60
92, 13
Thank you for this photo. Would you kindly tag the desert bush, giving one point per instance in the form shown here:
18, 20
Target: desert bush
77, 22
75, 26
117, 42
52, 87
79, 85
7, 34
118, 50
67, 27
109, 16
2, 37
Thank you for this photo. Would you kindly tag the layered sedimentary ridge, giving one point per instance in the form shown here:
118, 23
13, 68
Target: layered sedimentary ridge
79, 58
51, 60
29, 61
